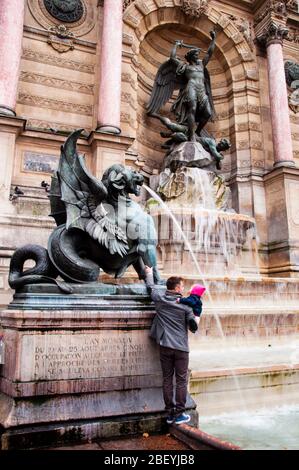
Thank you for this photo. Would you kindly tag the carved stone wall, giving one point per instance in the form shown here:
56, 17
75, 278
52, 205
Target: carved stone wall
57, 86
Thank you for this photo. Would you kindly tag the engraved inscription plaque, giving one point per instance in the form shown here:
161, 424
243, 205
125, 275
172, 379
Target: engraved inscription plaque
86, 356
40, 162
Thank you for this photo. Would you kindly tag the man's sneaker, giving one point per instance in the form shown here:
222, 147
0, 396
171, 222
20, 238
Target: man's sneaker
170, 419
182, 418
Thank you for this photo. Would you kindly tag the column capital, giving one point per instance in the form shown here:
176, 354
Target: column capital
273, 34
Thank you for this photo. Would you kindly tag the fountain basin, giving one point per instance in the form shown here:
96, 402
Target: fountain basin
222, 242
215, 391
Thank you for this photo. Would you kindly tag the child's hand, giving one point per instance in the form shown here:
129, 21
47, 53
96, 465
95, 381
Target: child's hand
178, 301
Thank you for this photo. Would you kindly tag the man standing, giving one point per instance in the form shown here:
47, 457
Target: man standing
170, 330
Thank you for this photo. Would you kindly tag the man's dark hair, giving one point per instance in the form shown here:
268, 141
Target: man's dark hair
173, 281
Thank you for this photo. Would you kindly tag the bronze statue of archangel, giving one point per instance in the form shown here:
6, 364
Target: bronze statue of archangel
194, 106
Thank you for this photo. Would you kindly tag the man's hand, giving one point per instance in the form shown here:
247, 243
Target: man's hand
148, 270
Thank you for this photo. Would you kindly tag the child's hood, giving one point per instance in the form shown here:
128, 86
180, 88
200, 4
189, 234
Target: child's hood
198, 289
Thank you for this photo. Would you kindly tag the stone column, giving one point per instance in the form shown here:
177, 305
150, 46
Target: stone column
110, 74
11, 27
280, 118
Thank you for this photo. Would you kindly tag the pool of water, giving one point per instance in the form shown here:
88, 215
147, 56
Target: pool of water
264, 429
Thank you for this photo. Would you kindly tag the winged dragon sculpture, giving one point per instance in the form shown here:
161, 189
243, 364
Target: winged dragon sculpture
98, 226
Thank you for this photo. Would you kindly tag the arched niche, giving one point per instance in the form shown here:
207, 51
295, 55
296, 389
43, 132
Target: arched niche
151, 30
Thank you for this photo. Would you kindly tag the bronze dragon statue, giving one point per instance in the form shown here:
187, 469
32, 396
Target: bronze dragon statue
98, 227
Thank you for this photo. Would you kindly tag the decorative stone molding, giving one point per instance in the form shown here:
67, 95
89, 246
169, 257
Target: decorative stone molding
274, 34
36, 56
245, 27
128, 98
293, 35
48, 125
127, 3
142, 7
131, 20
128, 39
61, 38
54, 82
126, 117
194, 8
275, 8
41, 102
135, 18
292, 6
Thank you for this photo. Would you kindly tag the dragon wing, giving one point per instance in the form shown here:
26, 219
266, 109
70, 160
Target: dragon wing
166, 81
83, 197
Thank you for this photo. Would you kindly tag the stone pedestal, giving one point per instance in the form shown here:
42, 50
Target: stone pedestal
107, 149
191, 154
282, 192
85, 366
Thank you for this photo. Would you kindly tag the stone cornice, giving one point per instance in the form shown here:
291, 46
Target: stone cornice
45, 34
271, 9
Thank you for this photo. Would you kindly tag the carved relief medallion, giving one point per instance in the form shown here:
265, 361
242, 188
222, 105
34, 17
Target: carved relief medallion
67, 11
194, 7
78, 15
